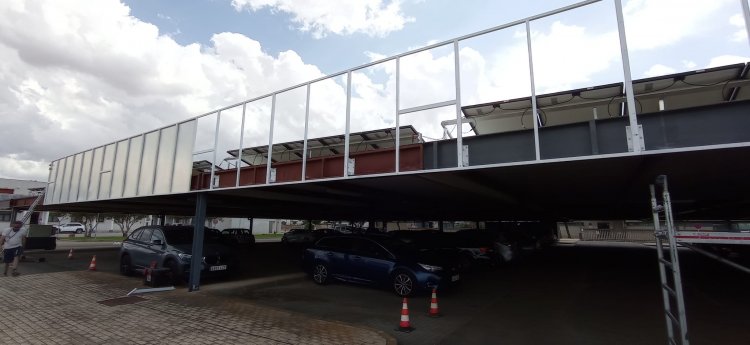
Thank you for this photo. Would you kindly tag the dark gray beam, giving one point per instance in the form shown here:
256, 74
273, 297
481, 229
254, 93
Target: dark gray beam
196, 261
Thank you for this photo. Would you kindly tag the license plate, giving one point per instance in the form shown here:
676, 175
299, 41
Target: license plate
218, 268
454, 277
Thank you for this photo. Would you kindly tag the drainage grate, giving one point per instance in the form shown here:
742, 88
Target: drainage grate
122, 301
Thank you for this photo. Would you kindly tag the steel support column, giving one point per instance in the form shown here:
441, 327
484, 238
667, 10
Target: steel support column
196, 261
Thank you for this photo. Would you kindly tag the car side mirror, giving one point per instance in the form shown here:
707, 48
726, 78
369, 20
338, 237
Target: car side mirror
157, 242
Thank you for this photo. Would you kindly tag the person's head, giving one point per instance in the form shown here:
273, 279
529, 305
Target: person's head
16, 225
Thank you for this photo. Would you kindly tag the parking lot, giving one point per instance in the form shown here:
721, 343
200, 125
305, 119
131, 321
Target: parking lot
581, 293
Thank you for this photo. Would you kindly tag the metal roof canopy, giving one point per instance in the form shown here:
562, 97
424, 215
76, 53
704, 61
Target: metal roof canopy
680, 90
705, 183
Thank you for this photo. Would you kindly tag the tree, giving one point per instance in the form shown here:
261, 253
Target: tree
126, 221
89, 221
213, 221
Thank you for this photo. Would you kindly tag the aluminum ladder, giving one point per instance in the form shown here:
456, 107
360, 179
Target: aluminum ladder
671, 284
30, 211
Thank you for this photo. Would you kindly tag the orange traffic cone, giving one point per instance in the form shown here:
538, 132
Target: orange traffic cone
404, 325
70, 254
434, 312
92, 265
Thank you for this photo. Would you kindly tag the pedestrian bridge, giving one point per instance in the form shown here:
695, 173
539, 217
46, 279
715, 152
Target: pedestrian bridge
381, 141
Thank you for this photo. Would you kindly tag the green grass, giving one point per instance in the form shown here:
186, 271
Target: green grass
267, 236
91, 239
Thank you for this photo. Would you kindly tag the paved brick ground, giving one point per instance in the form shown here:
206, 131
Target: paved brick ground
63, 308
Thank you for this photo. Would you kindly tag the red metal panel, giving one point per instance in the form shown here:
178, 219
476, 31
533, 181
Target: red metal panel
369, 162
6, 190
383, 161
411, 158
314, 169
252, 175
333, 166
288, 171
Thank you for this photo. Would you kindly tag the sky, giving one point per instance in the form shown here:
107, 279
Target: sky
77, 74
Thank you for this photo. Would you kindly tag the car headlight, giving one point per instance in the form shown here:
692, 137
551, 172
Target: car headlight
184, 256
431, 268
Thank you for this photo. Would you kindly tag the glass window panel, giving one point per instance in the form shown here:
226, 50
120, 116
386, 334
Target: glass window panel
327, 126
64, 196
96, 168
183, 160
230, 129
134, 164
664, 40
105, 181
576, 49
49, 196
372, 138
288, 134
255, 142
75, 177
83, 188
118, 171
427, 77
165, 160
206, 132
495, 66
59, 180
577, 53
201, 176
424, 127
148, 164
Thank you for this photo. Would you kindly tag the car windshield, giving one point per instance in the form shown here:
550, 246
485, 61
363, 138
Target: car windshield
396, 246
184, 235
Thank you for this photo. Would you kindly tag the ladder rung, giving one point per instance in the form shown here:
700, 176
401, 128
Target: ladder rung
668, 263
669, 289
672, 317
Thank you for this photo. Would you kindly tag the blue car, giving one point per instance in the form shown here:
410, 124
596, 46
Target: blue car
380, 260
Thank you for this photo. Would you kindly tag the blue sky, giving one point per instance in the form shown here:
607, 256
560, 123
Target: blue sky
434, 20
95, 71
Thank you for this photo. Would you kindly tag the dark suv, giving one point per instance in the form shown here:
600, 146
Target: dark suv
171, 247
379, 260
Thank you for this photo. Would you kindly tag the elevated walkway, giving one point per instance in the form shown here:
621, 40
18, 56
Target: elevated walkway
587, 153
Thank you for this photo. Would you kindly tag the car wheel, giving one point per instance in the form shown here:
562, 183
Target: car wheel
320, 274
126, 266
173, 274
404, 284
79, 231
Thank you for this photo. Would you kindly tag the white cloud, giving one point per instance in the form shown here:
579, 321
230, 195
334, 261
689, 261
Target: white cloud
724, 60
340, 17
89, 74
657, 23
689, 64
657, 70
739, 21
